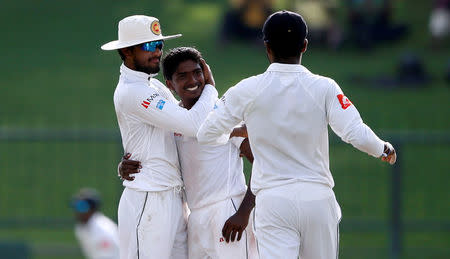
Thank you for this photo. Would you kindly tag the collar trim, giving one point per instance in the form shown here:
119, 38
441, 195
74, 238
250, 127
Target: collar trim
280, 67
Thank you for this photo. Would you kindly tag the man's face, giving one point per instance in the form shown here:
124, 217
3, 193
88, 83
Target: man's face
188, 82
146, 61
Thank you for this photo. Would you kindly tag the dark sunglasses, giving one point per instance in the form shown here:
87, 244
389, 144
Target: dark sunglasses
152, 45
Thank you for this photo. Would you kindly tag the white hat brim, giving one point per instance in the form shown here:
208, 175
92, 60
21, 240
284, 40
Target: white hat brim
117, 44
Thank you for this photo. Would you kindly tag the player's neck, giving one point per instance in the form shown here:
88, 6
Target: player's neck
290, 60
188, 103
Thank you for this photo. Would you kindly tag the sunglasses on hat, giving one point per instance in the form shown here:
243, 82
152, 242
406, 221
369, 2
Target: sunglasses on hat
152, 45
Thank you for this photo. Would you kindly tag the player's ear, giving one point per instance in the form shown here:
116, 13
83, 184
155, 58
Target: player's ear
127, 52
305, 45
269, 52
170, 85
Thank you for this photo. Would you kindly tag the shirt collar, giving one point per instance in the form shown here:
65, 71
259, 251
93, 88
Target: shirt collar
124, 70
280, 67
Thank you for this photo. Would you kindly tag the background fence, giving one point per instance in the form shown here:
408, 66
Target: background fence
388, 212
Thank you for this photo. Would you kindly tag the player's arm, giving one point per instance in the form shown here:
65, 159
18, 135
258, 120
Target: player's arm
151, 108
228, 112
346, 122
127, 168
239, 131
236, 224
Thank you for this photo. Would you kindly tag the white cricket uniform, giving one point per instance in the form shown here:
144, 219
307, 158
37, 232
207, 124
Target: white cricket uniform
215, 187
98, 238
152, 217
287, 111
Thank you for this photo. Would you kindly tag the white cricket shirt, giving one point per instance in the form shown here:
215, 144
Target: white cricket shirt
210, 173
148, 115
287, 111
99, 237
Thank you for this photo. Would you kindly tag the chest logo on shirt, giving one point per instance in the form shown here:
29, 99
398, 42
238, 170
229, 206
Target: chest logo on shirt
147, 102
345, 102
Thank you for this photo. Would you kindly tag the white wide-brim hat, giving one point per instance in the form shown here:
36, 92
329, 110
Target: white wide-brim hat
137, 29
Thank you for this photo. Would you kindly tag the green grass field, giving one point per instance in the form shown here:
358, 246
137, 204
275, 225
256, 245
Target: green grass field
54, 76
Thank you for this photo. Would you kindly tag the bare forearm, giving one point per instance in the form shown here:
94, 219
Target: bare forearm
248, 203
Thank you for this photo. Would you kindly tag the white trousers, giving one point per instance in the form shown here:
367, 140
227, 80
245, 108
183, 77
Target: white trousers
205, 233
152, 225
297, 220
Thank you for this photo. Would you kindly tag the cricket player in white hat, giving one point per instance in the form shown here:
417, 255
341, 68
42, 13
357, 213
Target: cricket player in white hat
151, 214
287, 111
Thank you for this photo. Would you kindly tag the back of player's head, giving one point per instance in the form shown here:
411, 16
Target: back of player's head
285, 33
87, 199
176, 56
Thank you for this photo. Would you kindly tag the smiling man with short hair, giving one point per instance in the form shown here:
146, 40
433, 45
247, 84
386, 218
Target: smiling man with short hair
217, 196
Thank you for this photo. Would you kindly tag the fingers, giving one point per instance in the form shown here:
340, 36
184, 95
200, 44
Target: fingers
207, 72
392, 158
226, 231
233, 235
132, 163
240, 235
129, 167
389, 155
126, 156
127, 177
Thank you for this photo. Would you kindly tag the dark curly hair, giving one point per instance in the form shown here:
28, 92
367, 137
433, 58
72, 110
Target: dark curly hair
176, 56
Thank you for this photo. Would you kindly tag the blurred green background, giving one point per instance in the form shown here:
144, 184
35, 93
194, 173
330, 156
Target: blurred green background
58, 130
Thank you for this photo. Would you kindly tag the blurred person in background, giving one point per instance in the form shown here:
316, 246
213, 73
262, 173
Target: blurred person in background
323, 25
287, 110
97, 234
440, 22
244, 19
370, 23
152, 214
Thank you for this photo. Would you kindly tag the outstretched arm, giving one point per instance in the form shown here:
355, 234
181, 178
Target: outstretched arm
346, 122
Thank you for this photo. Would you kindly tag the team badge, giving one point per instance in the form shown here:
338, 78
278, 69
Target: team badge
345, 102
156, 28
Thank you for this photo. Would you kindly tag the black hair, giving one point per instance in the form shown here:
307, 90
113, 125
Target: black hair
122, 56
285, 33
176, 56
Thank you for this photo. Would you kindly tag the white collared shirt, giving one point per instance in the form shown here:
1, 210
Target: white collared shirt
287, 111
99, 237
210, 173
148, 115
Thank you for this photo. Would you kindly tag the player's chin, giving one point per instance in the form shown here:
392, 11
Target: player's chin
153, 68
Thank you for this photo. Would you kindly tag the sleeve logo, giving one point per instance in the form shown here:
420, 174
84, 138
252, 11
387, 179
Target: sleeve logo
160, 104
345, 102
147, 102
